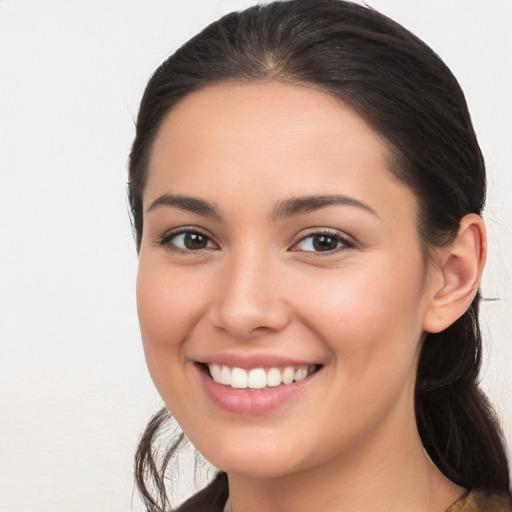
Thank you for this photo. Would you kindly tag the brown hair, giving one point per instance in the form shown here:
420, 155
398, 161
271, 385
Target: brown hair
401, 88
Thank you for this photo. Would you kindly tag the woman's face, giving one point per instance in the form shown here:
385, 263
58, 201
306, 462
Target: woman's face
277, 246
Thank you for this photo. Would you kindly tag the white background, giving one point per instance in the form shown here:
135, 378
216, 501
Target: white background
74, 390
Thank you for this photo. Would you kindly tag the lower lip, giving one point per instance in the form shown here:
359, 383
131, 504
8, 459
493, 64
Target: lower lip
258, 401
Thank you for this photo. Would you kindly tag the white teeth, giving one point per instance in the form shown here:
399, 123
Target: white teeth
258, 378
238, 378
216, 372
301, 374
273, 377
288, 375
225, 376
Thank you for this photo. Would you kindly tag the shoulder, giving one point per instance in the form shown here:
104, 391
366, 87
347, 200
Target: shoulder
481, 501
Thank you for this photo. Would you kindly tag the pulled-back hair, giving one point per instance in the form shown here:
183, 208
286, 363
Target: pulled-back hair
403, 90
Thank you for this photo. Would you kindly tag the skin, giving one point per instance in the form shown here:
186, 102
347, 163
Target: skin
349, 440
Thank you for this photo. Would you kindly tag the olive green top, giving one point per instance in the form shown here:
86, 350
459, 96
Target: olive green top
479, 501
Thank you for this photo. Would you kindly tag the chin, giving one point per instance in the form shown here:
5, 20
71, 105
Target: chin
256, 455
260, 467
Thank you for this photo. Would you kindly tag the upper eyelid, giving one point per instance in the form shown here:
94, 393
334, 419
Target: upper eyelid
168, 235
347, 241
186, 229
323, 231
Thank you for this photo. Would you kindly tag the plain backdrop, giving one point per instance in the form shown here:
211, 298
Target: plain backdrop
74, 390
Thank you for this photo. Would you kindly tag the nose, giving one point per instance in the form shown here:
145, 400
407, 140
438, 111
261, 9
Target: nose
250, 301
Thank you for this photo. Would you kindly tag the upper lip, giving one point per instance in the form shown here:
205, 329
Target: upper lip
249, 361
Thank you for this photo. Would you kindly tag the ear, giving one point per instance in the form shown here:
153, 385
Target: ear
457, 275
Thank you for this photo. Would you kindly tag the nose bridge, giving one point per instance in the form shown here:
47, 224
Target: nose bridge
249, 299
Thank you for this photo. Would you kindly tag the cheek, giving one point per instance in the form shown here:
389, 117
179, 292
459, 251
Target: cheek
371, 326
368, 315
168, 309
166, 304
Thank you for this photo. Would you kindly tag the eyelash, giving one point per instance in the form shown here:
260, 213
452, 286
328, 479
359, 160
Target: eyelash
166, 240
345, 243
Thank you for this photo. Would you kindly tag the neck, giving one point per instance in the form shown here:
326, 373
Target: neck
388, 472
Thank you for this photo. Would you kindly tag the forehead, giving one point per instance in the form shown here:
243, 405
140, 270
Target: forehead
271, 113
272, 136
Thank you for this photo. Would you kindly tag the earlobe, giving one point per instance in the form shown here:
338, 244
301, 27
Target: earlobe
459, 272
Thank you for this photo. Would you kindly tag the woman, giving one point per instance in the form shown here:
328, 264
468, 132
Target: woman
306, 189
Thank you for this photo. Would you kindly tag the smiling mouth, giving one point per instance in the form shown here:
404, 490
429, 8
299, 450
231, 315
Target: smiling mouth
258, 378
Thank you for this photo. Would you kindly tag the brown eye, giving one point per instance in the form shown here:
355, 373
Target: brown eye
187, 241
194, 241
323, 242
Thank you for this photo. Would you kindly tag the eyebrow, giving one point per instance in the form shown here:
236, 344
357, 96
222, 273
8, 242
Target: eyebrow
286, 208
307, 204
187, 203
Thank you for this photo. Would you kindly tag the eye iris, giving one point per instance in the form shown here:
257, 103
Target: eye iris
195, 241
324, 243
